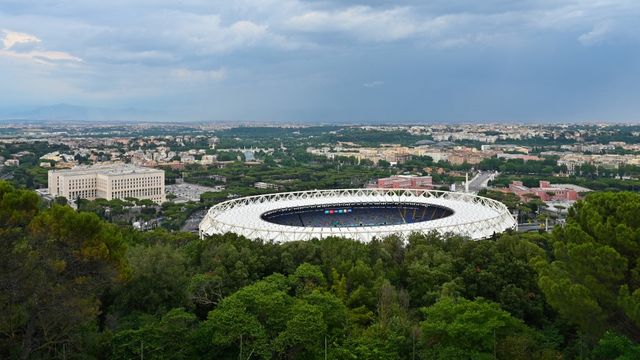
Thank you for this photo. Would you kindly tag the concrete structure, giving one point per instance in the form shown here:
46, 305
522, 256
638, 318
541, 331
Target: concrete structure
523, 157
547, 191
190, 192
405, 182
573, 161
249, 155
466, 182
391, 153
468, 156
472, 216
108, 182
264, 185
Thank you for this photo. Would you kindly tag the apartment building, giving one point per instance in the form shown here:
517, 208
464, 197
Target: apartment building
108, 182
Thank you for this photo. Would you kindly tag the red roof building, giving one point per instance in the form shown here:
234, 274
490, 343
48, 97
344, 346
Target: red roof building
405, 182
546, 191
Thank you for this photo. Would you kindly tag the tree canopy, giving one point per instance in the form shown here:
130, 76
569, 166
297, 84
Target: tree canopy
592, 274
75, 286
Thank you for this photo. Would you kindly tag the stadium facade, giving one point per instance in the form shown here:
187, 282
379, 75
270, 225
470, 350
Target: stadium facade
360, 214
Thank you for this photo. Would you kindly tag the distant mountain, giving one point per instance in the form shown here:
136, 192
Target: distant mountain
67, 112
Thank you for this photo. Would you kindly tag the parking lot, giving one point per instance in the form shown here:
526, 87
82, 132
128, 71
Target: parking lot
189, 192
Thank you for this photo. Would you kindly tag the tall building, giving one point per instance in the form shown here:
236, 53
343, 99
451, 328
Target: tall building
108, 182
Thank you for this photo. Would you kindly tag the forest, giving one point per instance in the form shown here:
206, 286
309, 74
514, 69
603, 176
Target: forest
73, 286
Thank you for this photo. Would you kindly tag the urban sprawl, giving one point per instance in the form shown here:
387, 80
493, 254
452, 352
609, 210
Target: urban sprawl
537, 170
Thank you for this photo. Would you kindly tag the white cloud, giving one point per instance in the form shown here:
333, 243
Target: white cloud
439, 30
52, 56
363, 22
12, 38
207, 34
596, 35
199, 75
600, 16
43, 57
459, 28
486, 39
147, 48
372, 84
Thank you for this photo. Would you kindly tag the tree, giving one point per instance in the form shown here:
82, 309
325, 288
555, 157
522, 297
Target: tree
305, 332
334, 312
247, 322
157, 281
173, 336
428, 268
614, 346
500, 271
205, 291
592, 276
393, 335
306, 278
70, 286
471, 329
54, 271
234, 260
291, 317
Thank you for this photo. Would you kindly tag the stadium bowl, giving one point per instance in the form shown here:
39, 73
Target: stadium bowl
471, 216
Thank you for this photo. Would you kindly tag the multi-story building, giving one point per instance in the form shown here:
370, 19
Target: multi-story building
108, 182
547, 191
405, 182
264, 185
524, 157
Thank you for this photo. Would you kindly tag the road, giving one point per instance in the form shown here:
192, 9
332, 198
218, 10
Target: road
480, 181
193, 222
532, 227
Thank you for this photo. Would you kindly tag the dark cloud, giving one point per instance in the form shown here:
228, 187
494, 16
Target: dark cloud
292, 60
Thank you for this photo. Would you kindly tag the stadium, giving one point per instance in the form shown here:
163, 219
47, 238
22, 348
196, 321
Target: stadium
359, 214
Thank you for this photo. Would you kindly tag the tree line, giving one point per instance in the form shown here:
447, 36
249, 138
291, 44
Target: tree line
75, 286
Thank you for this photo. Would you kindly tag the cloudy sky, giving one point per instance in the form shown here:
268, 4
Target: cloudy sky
327, 61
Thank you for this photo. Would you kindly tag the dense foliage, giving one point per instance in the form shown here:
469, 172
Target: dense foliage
74, 286
54, 266
593, 274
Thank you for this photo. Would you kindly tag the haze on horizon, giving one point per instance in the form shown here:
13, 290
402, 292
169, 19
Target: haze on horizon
326, 61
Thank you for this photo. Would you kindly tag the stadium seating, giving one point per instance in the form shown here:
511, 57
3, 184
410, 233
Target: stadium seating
355, 216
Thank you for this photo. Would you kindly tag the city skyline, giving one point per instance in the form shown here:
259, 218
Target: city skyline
330, 62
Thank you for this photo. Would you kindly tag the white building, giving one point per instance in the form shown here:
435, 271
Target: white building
108, 182
264, 185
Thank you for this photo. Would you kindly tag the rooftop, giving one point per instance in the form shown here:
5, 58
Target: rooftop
118, 169
573, 187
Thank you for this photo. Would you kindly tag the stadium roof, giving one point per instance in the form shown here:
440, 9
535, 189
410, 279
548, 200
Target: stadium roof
473, 216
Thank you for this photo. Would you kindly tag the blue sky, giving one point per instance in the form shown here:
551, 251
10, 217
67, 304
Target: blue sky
327, 61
